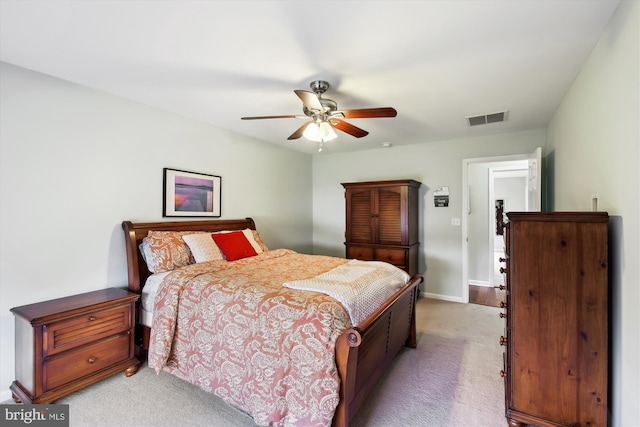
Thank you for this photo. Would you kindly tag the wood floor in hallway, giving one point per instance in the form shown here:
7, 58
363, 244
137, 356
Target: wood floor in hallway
485, 295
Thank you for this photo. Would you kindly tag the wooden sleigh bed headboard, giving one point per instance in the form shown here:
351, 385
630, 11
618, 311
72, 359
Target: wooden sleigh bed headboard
135, 232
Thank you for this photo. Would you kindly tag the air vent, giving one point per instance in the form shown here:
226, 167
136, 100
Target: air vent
487, 118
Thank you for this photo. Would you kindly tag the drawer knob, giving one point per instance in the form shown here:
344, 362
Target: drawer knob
502, 259
502, 287
503, 270
503, 304
503, 315
503, 373
92, 360
503, 340
92, 318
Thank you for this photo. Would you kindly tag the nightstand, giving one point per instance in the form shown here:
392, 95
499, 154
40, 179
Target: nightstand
66, 344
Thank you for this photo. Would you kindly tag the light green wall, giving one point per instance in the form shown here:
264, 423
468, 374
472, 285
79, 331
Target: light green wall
594, 141
75, 163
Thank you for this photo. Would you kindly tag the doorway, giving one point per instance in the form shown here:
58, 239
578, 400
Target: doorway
483, 189
508, 190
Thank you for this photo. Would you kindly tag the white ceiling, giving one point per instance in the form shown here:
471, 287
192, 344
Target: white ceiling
436, 62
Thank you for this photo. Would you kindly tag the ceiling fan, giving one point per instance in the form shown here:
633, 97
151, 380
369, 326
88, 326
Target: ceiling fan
325, 117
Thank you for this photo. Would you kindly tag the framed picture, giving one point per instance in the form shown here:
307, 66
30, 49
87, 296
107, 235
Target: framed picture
501, 207
190, 194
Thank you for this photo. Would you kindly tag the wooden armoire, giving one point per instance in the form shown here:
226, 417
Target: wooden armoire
557, 322
382, 222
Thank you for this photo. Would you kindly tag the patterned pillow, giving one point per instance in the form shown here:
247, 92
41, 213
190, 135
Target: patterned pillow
168, 250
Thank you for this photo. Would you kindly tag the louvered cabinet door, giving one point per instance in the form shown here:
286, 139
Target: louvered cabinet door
360, 215
389, 214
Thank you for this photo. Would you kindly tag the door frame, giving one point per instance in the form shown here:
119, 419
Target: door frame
466, 206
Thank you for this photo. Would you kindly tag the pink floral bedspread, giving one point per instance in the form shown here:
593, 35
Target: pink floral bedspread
232, 329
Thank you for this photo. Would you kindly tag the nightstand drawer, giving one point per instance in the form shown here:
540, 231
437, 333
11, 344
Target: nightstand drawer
80, 330
75, 364
392, 256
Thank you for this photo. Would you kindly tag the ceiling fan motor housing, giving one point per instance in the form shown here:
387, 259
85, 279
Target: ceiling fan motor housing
319, 86
328, 107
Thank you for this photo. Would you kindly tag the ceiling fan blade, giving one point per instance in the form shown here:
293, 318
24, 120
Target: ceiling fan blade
365, 113
309, 99
348, 128
298, 133
272, 117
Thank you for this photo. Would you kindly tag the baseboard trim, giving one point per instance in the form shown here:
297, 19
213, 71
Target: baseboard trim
480, 283
441, 297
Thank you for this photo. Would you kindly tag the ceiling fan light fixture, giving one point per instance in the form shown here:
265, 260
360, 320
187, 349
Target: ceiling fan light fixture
320, 131
325, 117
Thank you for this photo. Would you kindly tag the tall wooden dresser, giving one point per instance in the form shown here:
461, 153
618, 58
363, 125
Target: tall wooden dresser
382, 222
556, 357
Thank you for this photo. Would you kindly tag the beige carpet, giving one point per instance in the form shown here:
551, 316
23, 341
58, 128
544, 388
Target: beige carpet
451, 379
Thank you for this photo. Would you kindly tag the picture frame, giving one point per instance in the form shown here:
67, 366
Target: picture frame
191, 194
501, 209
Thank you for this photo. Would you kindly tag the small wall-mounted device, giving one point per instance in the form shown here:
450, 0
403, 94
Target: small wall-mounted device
441, 197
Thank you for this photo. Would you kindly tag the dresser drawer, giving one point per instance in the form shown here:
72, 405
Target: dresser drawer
363, 253
66, 367
86, 328
392, 256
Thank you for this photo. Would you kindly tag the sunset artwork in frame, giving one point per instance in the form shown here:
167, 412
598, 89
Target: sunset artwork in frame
190, 194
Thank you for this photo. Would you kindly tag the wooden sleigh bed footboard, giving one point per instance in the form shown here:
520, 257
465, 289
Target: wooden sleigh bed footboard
363, 353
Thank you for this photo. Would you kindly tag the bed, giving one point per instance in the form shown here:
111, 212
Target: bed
360, 352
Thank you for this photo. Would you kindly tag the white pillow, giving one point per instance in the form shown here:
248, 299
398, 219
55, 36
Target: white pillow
249, 235
202, 247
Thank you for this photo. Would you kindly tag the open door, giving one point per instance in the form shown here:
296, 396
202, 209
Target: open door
534, 182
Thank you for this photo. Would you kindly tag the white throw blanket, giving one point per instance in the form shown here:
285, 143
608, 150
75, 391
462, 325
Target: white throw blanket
360, 286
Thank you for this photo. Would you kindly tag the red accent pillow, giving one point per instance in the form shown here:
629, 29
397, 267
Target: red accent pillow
234, 245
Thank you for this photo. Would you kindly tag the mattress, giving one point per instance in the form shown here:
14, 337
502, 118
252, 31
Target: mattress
148, 296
